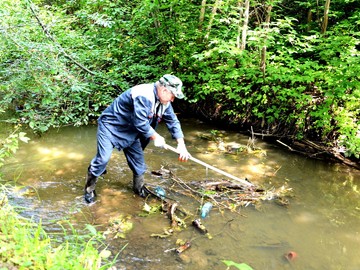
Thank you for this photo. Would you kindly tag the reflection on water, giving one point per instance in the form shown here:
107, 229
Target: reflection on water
321, 223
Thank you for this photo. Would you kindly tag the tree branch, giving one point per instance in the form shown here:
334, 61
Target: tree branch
47, 33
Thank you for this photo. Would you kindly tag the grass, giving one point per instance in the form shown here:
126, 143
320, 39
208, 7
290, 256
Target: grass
24, 244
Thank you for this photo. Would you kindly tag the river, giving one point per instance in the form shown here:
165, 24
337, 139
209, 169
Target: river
320, 224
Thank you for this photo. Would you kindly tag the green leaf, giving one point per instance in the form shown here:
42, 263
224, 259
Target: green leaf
23, 138
147, 208
91, 229
240, 266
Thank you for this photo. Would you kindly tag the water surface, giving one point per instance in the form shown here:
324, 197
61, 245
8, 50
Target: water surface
321, 223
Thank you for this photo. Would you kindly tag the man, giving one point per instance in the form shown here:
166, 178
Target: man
129, 124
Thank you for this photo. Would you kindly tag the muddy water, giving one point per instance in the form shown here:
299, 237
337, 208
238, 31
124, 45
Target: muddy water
321, 223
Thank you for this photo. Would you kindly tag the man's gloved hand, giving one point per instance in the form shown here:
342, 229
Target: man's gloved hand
159, 141
184, 155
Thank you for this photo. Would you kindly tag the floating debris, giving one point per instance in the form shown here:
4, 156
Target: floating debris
159, 191
197, 224
176, 222
205, 210
150, 209
229, 195
290, 256
220, 193
166, 234
119, 226
183, 247
162, 172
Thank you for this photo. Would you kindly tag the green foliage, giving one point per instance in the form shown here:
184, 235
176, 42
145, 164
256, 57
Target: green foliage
10, 145
307, 83
25, 245
290, 80
38, 80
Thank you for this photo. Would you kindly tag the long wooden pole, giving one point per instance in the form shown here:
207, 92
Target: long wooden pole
241, 181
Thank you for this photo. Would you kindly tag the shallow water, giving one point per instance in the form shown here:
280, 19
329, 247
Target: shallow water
321, 223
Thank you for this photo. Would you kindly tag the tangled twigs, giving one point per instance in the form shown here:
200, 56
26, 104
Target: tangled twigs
223, 194
182, 184
228, 195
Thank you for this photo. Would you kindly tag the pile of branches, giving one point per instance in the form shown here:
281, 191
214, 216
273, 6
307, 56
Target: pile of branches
222, 194
226, 194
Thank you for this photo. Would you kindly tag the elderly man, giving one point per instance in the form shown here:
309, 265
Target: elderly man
129, 124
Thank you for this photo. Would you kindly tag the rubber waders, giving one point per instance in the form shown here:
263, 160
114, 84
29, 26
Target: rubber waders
89, 190
138, 185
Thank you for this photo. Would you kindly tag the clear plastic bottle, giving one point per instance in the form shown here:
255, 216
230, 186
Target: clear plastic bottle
206, 209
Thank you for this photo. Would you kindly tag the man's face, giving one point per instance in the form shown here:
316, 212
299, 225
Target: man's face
165, 95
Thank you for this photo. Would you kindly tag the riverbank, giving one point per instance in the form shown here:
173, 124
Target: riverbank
308, 146
26, 245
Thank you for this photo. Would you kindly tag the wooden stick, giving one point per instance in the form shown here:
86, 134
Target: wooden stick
242, 181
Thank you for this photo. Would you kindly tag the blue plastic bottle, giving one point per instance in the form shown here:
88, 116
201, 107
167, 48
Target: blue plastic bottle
160, 192
206, 209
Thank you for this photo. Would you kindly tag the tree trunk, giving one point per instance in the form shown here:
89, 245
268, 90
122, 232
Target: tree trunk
202, 15
263, 49
213, 13
245, 25
326, 17
241, 13
309, 20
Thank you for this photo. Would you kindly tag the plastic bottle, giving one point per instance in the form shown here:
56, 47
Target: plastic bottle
160, 192
206, 209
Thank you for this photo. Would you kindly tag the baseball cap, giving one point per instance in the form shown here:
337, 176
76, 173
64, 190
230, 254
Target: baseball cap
173, 84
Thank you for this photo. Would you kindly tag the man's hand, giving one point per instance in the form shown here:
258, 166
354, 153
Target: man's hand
159, 141
184, 155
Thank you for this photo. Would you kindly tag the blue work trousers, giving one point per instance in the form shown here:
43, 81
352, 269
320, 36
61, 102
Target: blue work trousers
134, 154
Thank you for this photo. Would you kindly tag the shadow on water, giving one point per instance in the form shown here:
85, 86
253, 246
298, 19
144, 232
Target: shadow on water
321, 224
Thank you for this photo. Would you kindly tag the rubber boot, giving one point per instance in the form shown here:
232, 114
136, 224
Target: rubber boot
89, 189
138, 186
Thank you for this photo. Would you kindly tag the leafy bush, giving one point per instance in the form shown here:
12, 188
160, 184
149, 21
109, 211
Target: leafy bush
69, 59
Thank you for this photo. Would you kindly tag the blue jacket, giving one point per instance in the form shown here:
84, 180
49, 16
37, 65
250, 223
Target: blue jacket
132, 116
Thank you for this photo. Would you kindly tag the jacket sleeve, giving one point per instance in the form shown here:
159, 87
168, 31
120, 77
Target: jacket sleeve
172, 123
141, 116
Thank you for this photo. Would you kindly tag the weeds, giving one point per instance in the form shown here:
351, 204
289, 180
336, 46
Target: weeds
25, 245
